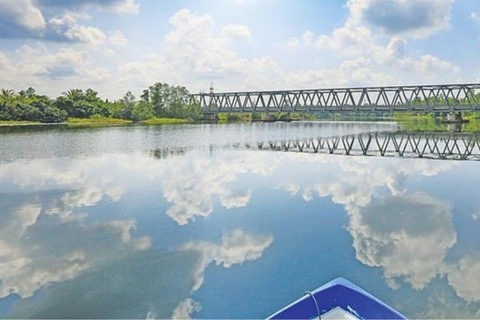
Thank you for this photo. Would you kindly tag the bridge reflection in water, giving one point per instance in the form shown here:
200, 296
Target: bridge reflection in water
441, 146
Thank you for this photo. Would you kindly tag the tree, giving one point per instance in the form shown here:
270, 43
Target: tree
79, 104
170, 101
7, 95
28, 106
158, 100
142, 111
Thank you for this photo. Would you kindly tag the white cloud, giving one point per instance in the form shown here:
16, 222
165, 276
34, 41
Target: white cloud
109, 52
408, 236
388, 230
194, 53
236, 32
237, 247
194, 36
409, 19
85, 34
117, 38
6, 70
350, 73
351, 40
372, 44
475, 16
42, 69
359, 41
293, 43
31, 258
30, 254
21, 13
67, 27
463, 277
58, 20
412, 18
191, 188
235, 199
186, 309
126, 6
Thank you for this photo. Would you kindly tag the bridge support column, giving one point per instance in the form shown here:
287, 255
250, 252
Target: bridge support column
286, 117
266, 117
210, 117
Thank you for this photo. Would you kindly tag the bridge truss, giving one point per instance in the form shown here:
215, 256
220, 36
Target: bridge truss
428, 98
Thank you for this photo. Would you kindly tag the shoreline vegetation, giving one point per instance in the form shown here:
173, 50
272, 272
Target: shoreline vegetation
161, 104
158, 104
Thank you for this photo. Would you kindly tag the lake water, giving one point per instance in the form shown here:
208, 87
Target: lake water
185, 221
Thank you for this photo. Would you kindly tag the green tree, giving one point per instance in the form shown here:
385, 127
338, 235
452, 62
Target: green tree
142, 111
127, 105
170, 101
79, 104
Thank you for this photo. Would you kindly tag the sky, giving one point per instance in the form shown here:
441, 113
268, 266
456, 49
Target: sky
115, 46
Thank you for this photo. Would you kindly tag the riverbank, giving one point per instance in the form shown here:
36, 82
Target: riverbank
92, 122
103, 121
425, 123
97, 122
430, 122
13, 123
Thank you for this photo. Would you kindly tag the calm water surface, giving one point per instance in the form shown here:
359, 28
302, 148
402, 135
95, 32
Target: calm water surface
136, 222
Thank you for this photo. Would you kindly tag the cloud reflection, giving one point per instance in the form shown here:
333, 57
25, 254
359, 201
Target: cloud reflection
38, 249
135, 285
408, 236
186, 309
464, 278
192, 183
237, 247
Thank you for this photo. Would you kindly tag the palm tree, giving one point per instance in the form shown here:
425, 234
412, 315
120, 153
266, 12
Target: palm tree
73, 94
7, 94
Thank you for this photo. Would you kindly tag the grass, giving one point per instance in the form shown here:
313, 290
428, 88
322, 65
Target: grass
155, 121
224, 117
9, 123
97, 122
234, 117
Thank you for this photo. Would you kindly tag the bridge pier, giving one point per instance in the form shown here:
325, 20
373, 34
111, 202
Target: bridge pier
210, 117
286, 117
267, 117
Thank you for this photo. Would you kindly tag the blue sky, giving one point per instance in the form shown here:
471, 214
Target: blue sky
120, 45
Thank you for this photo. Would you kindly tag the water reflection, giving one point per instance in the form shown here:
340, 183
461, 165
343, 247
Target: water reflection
139, 285
440, 146
39, 246
408, 236
191, 186
160, 233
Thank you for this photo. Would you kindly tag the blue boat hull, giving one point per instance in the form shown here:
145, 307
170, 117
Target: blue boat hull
338, 293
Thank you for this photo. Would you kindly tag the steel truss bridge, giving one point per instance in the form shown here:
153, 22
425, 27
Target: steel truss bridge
453, 98
440, 146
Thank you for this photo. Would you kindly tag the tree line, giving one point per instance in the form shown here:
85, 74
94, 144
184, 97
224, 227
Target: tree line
159, 100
